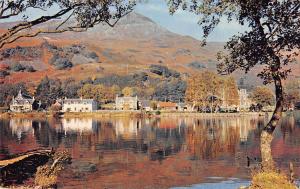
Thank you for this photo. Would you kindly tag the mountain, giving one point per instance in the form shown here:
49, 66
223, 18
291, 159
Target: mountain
134, 44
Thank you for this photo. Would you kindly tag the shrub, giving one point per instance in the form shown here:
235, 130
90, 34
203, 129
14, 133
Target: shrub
63, 63
59, 62
30, 69
26, 52
196, 65
271, 179
164, 71
93, 55
17, 67
170, 90
3, 73
53, 59
46, 175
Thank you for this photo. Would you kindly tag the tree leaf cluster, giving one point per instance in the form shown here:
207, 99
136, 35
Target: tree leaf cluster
201, 88
69, 15
263, 95
25, 53
63, 57
163, 71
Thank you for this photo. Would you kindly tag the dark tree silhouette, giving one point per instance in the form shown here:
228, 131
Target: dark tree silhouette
272, 41
48, 91
70, 15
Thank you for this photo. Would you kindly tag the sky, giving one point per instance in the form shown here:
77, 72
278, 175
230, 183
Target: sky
182, 22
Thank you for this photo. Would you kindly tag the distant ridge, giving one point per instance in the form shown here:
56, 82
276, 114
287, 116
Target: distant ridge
134, 44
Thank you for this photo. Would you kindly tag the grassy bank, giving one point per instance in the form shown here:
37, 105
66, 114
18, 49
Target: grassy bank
271, 180
26, 115
100, 114
113, 113
138, 114
197, 114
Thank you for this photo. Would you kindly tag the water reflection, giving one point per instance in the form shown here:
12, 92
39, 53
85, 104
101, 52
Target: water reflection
19, 127
155, 152
77, 125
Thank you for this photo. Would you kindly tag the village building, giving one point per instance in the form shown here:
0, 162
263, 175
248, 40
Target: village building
126, 103
244, 101
22, 103
79, 105
183, 107
145, 105
167, 106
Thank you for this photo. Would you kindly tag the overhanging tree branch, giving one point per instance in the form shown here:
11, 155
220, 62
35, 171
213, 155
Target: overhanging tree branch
82, 14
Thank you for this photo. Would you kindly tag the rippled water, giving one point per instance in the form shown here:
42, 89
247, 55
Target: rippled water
166, 152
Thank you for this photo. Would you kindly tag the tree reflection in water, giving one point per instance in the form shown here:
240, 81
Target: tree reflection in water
156, 152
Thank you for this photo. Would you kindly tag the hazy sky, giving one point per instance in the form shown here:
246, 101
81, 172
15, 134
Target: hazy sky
182, 22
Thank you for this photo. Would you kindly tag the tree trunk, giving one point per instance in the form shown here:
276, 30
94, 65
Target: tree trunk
265, 150
266, 136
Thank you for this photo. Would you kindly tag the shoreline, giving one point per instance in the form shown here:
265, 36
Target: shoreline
130, 114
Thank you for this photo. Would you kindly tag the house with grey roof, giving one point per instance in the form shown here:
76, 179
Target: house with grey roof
79, 105
145, 105
22, 103
182, 107
126, 103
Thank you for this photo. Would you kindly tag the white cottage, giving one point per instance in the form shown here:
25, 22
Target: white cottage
244, 101
79, 105
21, 103
126, 103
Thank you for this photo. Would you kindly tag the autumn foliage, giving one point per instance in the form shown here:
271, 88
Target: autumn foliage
206, 84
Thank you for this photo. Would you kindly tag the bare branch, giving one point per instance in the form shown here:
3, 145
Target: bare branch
64, 21
5, 38
15, 9
86, 14
116, 21
72, 29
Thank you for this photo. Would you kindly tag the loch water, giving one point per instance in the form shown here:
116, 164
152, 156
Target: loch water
161, 152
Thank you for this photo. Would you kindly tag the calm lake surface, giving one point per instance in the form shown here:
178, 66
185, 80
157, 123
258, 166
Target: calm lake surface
166, 152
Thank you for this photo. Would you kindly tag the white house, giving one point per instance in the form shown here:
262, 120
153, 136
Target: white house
244, 101
182, 107
21, 103
126, 103
79, 105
